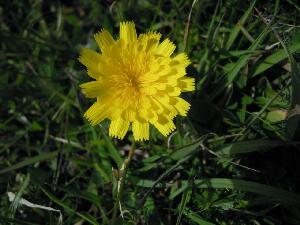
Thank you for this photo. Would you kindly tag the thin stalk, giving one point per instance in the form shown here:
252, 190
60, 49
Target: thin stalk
120, 183
187, 26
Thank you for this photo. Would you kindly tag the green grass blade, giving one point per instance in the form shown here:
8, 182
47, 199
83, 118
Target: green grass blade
294, 4
114, 153
247, 147
237, 53
82, 194
274, 193
31, 160
148, 183
236, 30
184, 201
211, 27
186, 150
101, 165
195, 218
231, 76
274, 59
244, 59
16, 202
85, 217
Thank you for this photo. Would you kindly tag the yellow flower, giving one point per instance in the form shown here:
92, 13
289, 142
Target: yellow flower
137, 81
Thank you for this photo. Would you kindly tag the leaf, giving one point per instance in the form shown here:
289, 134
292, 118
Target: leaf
21, 201
177, 191
186, 197
148, 183
186, 150
236, 53
244, 59
16, 201
82, 194
274, 193
235, 31
274, 59
147, 167
276, 115
31, 160
102, 169
113, 152
195, 218
212, 29
85, 217
231, 76
247, 147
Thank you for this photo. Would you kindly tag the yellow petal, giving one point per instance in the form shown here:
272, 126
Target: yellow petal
89, 58
175, 73
140, 131
164, 126
118, 128
166, 48
94, 73
96, 113
180, 60
115, 113
169, 110
152, 41
186, 84
116, 51
156, 105
148, 90
103, 38
181, 105
129, 114
172, 91
153, 35
128, 32
92, 89
162, 70
146, 114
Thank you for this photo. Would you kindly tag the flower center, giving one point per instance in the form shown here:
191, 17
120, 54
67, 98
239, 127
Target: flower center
133, 82
133, 72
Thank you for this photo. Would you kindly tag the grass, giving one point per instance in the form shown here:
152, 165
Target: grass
233, 160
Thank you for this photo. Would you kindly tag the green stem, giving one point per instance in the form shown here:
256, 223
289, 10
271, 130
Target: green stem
121, 181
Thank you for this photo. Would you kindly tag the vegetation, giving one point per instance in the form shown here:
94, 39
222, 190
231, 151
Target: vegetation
233, 160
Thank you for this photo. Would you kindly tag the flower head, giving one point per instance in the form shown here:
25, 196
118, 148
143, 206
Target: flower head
137, 82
